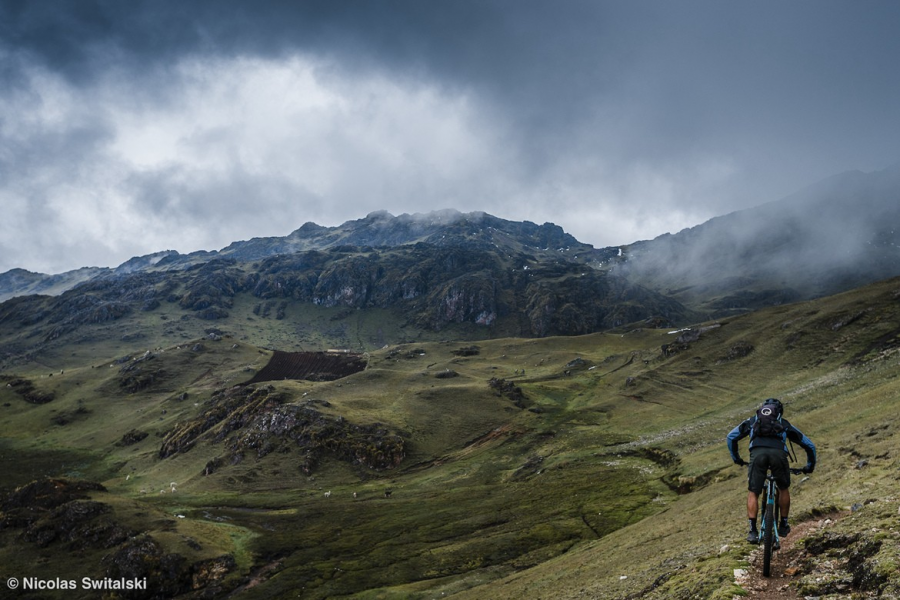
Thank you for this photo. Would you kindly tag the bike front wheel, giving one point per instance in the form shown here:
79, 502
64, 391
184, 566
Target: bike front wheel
768, 539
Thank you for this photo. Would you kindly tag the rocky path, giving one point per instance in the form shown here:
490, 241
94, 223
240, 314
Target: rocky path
784, 565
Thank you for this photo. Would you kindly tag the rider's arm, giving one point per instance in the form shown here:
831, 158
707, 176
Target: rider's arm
734, 436
795, 435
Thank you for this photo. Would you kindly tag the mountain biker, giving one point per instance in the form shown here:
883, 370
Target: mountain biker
769, 433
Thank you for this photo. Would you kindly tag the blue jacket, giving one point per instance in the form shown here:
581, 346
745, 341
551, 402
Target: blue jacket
790, 433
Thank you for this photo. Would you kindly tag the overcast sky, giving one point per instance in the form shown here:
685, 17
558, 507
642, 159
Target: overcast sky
132, 127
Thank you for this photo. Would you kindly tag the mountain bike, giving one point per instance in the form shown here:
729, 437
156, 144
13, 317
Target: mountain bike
768, 533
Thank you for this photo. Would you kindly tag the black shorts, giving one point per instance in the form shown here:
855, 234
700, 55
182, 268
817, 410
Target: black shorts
763, 459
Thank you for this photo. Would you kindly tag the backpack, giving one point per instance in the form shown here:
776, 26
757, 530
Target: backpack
768, 420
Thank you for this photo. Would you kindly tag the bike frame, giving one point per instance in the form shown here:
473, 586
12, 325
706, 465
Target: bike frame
769, 528
771, 512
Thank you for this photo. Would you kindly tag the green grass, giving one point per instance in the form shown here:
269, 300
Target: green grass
571, 495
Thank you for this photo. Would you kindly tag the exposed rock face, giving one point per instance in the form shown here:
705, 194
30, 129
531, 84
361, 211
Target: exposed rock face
78, 524
26, 389
213, 286
168, 574
528, 279
510, 390
47, 494
230, 410
580, 301
372, 446
133, 437
57, 510
141, 373
256, 421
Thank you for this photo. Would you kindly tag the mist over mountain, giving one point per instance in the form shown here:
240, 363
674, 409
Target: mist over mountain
833, 236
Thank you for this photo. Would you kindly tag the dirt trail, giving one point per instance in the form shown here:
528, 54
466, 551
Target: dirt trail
784, 564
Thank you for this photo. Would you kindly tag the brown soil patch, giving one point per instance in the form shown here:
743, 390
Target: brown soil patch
311, 366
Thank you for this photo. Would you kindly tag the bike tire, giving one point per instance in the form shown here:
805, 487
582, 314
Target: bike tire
768, 539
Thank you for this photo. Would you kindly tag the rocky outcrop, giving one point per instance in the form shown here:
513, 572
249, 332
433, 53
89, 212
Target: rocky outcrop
583, 301
317, 435
59, 510
256, 421
213, 286
51, 512
168, 574
76, 310
228, 411
509, 390
141, 373
132, 437
26, 389
77, 524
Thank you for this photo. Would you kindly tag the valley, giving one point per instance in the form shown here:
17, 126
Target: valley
559, 467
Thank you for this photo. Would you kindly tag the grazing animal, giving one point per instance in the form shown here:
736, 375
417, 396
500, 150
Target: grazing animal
328, 494
387, 493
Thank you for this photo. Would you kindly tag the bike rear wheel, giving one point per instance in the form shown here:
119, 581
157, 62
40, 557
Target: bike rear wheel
768, 538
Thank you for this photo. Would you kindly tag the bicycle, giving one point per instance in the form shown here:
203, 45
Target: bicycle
768, 533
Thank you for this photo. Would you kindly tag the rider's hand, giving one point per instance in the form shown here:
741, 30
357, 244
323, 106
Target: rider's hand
740, 462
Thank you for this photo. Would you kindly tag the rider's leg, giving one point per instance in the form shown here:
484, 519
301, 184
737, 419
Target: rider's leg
753, 505
784, 502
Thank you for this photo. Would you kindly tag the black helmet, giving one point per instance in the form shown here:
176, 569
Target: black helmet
774, 403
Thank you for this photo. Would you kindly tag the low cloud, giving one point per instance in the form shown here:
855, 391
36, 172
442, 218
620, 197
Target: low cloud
129, 129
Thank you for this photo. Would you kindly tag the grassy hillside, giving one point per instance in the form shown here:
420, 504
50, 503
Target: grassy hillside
590, 466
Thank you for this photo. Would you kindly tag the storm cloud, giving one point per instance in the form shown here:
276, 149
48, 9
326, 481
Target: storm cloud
127, 128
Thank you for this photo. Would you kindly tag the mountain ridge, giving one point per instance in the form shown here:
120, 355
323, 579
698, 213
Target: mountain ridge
377, 229
490, 275
836, 234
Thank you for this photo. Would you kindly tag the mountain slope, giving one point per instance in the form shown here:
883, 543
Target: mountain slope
347, 296
835, 364
555, 467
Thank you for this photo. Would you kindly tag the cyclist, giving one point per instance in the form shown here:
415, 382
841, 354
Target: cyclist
769, 433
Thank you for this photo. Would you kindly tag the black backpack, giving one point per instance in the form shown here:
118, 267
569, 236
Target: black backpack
768, 419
